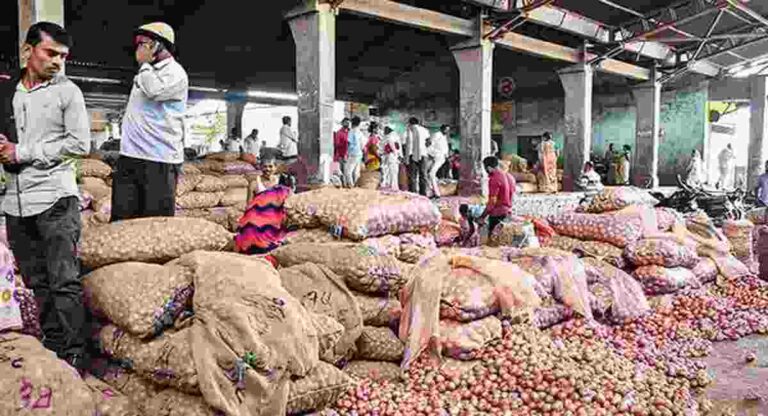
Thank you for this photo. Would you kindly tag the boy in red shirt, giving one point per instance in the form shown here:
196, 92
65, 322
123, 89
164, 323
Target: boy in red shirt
501, 189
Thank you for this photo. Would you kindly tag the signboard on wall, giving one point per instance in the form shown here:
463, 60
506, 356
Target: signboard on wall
506, 87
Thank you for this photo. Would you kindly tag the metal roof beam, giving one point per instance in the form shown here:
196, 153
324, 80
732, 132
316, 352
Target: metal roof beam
404, 14
544, 49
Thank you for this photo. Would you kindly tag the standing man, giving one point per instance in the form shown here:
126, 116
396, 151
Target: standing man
152, 147
340, 144
41, 205
288, 140
251, 143
438, 153
416, 156
501, 190
391, 152
232, 143
355, 142
725, 164
761, 191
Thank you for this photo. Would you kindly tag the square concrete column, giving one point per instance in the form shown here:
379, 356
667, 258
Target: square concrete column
314, 32
577, 83
33, 11
758, 131
475, 61
235, 109
645, 162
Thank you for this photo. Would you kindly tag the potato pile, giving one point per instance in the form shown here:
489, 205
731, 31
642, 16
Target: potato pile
95, 192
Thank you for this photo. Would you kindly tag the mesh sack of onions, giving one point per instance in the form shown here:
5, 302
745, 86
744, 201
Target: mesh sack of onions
467, 296
666, 218
603, 251
658, 280
705, 270
379, 311
665, 252
561, 242
317, 390
447, 233
615, 229
463, 341
614, 199
361, 268
373, 370
360, 213
617, 295
739, 233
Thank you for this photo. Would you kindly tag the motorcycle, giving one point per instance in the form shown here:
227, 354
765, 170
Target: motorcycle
718, 205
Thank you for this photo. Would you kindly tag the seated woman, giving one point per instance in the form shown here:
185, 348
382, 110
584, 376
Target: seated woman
590, 181
261, 229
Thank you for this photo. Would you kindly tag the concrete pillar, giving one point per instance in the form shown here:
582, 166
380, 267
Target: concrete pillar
758, 129
577, 83
314, 32
235, 111
475, 61
645, 161
33, 11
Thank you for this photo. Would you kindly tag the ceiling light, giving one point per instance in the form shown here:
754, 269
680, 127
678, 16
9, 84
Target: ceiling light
273, 95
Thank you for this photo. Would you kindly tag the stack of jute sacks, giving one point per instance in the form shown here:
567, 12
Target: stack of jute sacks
659, 248
215, 188
95, 183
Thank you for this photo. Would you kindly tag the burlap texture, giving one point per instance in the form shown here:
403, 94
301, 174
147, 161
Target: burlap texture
614, 199
190, 169
110, 402
34, 382
132, 385
170, 402
165, 360
319, 389
187, 183
374, 370
235, 181
322, 291
234, 196
210, 183
150, 240
361, 269
195, 199
329, 332
463, 341
361, 213
379, 311
140, 298
379, 344
96, 187
249, 337
95, 168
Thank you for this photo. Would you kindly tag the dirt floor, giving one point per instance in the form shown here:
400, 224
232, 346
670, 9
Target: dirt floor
739, 388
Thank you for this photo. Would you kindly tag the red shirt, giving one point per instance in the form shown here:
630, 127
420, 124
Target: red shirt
501, 189
340, 144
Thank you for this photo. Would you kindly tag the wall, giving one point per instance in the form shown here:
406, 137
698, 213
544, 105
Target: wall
683, 125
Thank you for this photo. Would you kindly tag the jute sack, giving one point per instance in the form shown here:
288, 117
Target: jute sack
379, 311
235, 181
603, 251
359, 268
210, 183
329, 332
319, 389
362, 213
132, 385
96, 187
141, 298
310, 235
374, 370
187, 183
170, 402
379, 344
562, 242
467, 296
110, 402
223, 156
322, 291
209, 166
102, 209
95, 168
196, 199
166, 360
34, 382
464, 341
216, 215
233, 196
369, 180
150, 240
190, 169
615, 229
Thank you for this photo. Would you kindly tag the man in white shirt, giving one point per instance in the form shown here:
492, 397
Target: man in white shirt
232, 143
391, 150
288, 140
416, 156
152, 148
356, 141
438, 153
251, 143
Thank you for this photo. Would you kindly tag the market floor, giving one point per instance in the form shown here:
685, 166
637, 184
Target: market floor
739, 388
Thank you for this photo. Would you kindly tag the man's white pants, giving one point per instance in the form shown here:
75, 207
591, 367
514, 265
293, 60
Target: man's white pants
352, 172
390, 173
435, 166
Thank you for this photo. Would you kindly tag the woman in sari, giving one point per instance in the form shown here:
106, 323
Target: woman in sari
547, 165
261, 229
372, 157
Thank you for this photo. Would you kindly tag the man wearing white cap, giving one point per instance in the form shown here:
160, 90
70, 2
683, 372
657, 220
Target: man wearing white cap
152, 149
